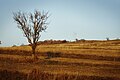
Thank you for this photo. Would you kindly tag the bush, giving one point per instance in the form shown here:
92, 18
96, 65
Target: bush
83, 40
14, 46
52, 54
117, 39
107, 39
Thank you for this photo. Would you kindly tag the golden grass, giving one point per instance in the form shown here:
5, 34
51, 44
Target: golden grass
89, 60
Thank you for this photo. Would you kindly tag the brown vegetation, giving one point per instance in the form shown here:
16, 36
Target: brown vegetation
52, 42
88, 60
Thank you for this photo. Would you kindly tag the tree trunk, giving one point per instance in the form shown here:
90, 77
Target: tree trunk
34, 56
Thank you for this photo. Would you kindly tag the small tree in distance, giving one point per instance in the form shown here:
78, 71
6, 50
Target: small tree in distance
32, 25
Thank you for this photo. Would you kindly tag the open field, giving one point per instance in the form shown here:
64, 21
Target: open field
83, 60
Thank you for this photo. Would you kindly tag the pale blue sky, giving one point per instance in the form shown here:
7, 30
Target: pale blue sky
70, 19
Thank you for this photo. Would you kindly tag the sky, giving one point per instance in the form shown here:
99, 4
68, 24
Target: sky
69, 19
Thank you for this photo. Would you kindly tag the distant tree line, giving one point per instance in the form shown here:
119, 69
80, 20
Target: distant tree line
52, 41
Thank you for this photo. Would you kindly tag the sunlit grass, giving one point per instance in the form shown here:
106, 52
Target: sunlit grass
89, 58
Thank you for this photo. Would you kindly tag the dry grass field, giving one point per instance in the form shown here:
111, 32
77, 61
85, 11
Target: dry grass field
83, 60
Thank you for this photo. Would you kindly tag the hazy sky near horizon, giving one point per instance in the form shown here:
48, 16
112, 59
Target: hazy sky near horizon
70, 19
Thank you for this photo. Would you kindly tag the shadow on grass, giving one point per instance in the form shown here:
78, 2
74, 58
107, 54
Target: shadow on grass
53, 54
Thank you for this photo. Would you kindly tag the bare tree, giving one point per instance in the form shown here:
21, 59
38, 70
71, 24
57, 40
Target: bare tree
32, 25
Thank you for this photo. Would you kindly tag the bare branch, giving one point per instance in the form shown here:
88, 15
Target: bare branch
31, 24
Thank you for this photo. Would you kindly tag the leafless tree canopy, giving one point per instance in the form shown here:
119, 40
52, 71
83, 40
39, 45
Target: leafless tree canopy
31, 24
